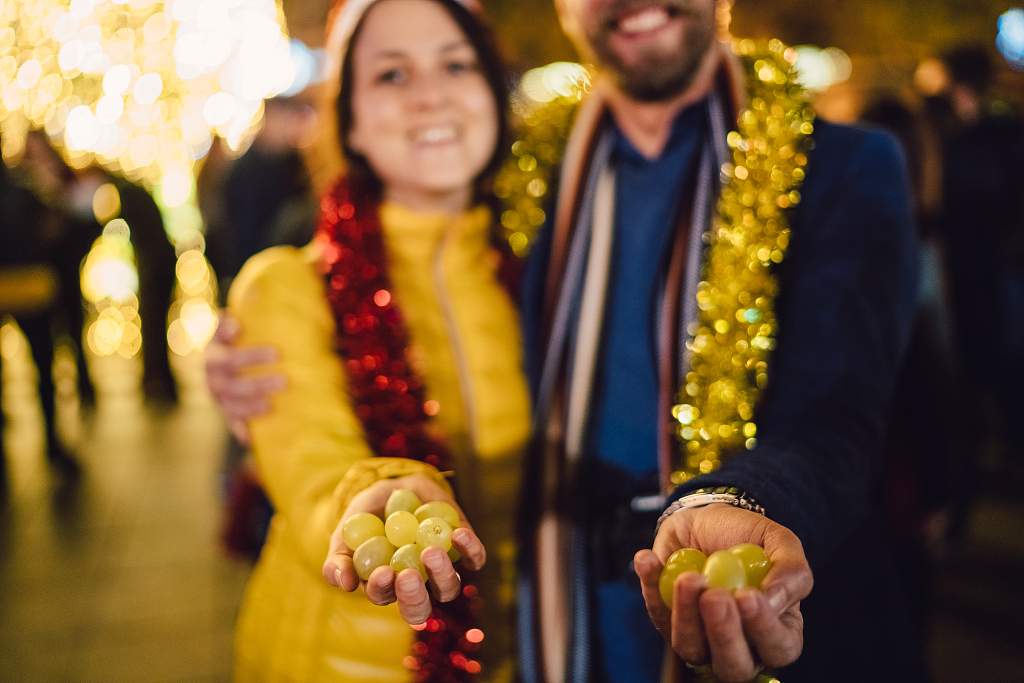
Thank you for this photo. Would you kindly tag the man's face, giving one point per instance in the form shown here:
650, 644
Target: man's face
653, 48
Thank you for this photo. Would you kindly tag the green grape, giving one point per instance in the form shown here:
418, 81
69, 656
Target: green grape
401, 499
755, 563
374, 552
408, 557
703, 673
691, 559
435, 532
360, 527
682, 560
724, 570
454, 555
667, 584
401, 528
439, 508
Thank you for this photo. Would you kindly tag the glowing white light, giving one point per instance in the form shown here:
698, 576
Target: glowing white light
65, 28
307, 65
112, 278
156, 28
216, 50
109, 142
819, 69
219, 109
109, 108
142, 151
50, 87
559, 79
213, 16
117, 229
176, 186
81, 9
29, 73
185, 11
1010, 39
55, 124
94, 59
201, 147
117, 79
199, 321
842, 65
142, 85
81, 130
148, 88
71, 55
12, 97
261, 66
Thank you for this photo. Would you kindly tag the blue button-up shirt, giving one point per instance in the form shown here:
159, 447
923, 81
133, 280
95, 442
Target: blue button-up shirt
624, 417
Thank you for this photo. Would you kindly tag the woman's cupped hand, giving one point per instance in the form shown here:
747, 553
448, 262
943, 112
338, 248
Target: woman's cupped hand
407, 588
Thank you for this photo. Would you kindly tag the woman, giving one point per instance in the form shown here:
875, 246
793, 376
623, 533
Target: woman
402, 357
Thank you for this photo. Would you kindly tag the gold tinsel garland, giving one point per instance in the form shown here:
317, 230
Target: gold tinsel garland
524, 183
736, 329
735, 333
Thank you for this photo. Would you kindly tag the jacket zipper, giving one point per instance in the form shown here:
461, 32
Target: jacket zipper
458, 350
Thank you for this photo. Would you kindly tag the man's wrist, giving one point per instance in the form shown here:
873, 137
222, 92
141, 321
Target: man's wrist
728, 495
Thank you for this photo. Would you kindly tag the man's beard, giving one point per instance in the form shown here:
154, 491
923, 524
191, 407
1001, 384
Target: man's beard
662, 75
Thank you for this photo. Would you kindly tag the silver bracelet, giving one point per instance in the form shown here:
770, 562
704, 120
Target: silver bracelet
729, 495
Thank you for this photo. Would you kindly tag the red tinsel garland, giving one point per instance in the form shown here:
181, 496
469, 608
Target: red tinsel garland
388, 397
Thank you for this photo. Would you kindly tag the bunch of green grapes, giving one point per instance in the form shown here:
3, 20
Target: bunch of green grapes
741, 566
411, 526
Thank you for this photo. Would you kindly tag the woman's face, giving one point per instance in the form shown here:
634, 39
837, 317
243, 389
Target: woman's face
424, 116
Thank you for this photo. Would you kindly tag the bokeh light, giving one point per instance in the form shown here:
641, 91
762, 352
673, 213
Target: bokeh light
1010, 39
558, 79
142, 87
820, 69
931, 77
107, 79
308, 68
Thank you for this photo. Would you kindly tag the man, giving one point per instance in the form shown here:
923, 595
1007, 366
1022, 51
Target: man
69, 236
155, 264
635, 181
983, 226
29, 290
844, 306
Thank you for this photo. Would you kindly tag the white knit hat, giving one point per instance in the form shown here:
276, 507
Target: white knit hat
343, 19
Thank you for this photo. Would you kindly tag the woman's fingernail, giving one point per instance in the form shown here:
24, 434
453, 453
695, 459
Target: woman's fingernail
337, 578
433, 561
405, 583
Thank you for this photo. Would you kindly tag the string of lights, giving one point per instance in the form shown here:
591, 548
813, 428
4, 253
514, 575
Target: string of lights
142, 88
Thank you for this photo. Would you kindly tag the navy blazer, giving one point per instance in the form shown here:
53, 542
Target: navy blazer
846, 303
848, 290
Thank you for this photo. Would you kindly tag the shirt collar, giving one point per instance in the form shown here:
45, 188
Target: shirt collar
688, 123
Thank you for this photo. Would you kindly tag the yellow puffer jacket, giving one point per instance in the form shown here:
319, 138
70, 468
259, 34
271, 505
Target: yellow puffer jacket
466, 347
